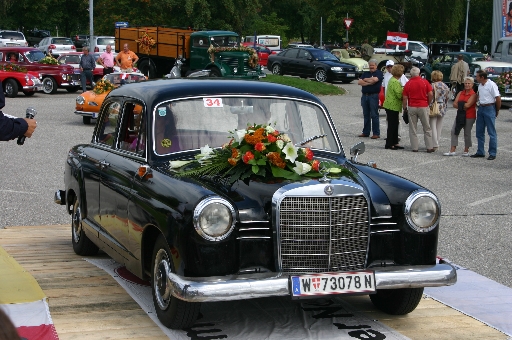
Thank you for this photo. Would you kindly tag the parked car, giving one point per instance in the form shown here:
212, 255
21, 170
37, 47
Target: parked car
88, 104
294, 45
35, 36
101, 42
445, 63
262, 50
418, 49
494, 69
80, 40
73, 59
343, 56
12, 38
56, 46
232, 227
53, 76
15, 81
311, 62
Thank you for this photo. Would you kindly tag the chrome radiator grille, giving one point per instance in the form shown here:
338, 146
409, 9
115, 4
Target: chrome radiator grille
321, 234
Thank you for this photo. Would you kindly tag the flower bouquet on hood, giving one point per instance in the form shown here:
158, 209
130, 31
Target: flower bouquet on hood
258, 151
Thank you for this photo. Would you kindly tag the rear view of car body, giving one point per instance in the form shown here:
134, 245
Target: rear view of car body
12, 38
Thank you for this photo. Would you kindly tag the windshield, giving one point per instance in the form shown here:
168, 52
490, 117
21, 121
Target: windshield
12, 35
69, 59
124, 78
323, 55
224, 41
193, 123
62, 41
478, 59
34, 56
494, 71
106, 41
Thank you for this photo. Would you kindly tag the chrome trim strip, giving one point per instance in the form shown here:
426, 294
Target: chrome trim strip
383, 223
249, 229
244, 222
248, 286
378, 217
251, 237
384, 231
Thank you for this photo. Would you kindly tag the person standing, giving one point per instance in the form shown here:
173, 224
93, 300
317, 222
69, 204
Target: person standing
441, 93
366, 50
467, 99
490, 104
371, 82
393, 105
106, 60
387, 76
459, 71
125, 59
416, 98
13, 127
87, 65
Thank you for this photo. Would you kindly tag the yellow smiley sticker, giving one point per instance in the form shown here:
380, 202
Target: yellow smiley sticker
166, 143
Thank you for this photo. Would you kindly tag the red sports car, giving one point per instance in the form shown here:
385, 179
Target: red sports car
262, 50
14, 80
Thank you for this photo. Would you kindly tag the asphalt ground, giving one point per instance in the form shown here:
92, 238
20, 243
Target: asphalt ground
475, 227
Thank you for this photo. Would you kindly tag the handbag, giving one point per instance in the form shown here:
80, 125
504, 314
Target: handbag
405, 116
434, 107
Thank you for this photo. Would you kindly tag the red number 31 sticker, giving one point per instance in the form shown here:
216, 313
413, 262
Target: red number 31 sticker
212, 102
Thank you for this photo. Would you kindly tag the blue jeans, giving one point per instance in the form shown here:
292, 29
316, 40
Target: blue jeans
486, 118
370, 106
84, 76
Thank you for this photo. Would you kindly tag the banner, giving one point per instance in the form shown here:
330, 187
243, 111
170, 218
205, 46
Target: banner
396, 38
507, 18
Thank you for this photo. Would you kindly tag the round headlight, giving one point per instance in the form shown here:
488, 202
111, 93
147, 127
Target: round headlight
80, 100
214, 218
422, 211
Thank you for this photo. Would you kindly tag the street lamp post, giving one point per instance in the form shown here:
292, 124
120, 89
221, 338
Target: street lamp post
91, 27
466, 33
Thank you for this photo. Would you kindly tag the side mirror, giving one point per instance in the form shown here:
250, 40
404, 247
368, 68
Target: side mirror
357, 150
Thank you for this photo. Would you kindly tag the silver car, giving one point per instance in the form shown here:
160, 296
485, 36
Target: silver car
56, 46
12, 38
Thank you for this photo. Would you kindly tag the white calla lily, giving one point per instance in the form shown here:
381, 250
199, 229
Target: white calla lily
290, 151
239, 135
269, 129
302, 168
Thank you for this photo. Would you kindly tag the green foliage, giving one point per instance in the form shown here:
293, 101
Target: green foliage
316, 88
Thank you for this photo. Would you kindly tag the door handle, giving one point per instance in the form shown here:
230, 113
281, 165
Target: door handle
104, 164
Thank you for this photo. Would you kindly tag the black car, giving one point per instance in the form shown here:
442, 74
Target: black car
35, 36
311, 62
222, 190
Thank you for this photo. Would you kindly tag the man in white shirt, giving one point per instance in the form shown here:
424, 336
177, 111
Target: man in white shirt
490, 104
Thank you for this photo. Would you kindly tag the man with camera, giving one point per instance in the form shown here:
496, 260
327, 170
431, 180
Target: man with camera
13, 127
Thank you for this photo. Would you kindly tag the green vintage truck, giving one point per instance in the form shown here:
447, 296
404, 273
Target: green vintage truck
217, 51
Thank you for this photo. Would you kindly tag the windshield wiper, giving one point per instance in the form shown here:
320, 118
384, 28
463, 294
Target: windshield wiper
307, 140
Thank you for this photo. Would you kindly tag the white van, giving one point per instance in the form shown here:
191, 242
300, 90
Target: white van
418, 48
503, 50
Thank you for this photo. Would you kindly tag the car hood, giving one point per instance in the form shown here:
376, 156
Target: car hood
253, 199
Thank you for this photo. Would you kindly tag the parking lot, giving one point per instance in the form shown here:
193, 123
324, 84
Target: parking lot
474, 192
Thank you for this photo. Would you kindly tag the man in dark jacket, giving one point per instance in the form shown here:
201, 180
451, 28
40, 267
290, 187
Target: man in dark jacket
13, 127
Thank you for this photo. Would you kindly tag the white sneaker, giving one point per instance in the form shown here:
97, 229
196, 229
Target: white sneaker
449, 154
465, 154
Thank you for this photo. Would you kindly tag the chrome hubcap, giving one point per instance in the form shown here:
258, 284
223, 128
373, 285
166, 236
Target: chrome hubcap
321, 76
76, 223
161, 280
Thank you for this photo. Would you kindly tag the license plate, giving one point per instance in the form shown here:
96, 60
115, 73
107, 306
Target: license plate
508, 90
333, 283
94, 115
351, 74
11, 44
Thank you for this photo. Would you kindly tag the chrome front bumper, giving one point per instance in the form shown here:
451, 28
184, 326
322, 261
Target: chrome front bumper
239, 287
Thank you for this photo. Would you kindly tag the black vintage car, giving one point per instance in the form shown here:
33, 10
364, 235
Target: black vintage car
311, 62
224, 190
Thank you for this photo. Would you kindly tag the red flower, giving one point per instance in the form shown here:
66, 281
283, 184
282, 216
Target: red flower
271, 138
276, 133
316, 165
308, 154
259, 147
247, 157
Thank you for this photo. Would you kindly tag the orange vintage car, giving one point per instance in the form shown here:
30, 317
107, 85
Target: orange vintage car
88, 104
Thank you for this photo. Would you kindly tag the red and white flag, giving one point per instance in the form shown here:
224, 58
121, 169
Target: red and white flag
396, 38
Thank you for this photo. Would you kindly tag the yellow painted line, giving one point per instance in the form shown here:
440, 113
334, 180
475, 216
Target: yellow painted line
16, 284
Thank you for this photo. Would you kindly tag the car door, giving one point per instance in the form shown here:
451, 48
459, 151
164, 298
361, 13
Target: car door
118, 175
498, 51
288, 59
445, 66
304, 64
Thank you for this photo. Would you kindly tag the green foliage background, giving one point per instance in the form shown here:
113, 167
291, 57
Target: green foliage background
297, 20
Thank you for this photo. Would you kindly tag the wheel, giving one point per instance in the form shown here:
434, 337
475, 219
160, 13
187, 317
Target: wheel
397, 301
215, 72
277, 70
321, 75
82, 245
171, 311
424, 75
49, 85
72, 89
29, 94
11, 88
86, 120
147, 68
382, 67
453, 92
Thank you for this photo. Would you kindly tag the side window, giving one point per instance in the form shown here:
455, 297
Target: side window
414, 47
291, 53
1, 55
108, 127
499, 46
303, 54
509, 48
133, 131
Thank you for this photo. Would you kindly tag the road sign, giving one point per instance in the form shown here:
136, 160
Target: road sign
348, 22
121, 24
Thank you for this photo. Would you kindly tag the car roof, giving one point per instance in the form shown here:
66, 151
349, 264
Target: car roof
19, 49
155, 91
